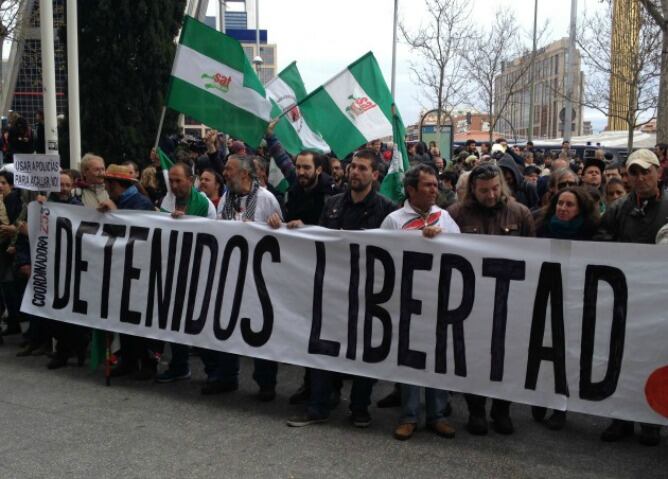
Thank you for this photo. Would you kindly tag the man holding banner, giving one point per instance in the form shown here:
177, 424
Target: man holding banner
636, 219
421, 213
359, 208
182, 199
489, 209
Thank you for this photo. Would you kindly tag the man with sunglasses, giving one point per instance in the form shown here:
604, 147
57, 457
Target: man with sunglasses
489, 209
636, 219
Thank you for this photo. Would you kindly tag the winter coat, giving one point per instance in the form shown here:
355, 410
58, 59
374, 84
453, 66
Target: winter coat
340, 213
508, 218
624, 222
307, 205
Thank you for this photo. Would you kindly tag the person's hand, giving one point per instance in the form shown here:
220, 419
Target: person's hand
155, 160
24, 271
294, 224
271, 126
106, 206
11, 250
274, 221
211, 140
431, 231
7, 230
177, 214
41, 199
23, 228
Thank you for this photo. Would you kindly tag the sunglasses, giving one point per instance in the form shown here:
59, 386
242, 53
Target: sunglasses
566, 184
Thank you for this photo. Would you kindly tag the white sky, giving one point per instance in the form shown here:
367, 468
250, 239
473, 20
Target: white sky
324, 36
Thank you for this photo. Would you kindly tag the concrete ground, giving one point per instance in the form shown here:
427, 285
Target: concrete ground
67, 424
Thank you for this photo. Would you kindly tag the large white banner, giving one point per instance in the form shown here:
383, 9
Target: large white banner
568, 325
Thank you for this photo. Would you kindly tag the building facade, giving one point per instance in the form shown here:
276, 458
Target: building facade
549, 78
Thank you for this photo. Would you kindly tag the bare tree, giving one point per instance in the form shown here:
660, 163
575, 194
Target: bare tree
493, 50
658, 12
439, 45
10, 11
637, 71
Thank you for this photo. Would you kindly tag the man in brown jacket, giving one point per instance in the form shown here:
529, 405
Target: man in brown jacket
489, 209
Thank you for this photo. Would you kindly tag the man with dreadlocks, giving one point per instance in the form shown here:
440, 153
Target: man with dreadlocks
244, 200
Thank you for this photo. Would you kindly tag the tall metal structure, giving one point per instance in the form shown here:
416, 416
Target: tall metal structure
624, 47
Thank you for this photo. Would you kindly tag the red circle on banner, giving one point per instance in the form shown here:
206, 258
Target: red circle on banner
656, 391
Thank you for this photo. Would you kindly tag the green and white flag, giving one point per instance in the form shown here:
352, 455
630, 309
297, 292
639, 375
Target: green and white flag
285, 91
352, 108
393, 183
213, 82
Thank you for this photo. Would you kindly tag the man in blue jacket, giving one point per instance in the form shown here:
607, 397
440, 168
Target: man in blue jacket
136, 353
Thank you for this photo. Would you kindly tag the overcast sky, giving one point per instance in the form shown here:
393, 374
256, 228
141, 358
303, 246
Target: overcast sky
324, 36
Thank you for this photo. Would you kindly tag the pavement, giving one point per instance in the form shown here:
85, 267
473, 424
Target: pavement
68, 424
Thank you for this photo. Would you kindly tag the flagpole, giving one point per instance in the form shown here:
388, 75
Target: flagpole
394, 48
48, 76
162, 120
73, 84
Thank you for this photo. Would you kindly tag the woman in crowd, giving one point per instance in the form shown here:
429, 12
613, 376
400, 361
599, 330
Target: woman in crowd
571, 215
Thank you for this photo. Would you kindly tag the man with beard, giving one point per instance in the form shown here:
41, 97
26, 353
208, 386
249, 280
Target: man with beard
307, 196
244, 200
359, 208
489, 209
306, 199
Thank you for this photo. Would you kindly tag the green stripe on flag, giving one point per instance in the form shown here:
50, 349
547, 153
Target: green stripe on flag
291, 76
216, 112
221, 48
322, 113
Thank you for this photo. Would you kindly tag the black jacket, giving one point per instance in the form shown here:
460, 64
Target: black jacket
340, 213
624, 221
307, 205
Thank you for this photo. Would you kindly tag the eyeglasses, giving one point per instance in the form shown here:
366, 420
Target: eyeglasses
566, 184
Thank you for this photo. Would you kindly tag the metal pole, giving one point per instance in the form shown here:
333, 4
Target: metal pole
73, 84
162, 121
48, 76
394, 48
532, 73
570, 73
221, 15
200, 13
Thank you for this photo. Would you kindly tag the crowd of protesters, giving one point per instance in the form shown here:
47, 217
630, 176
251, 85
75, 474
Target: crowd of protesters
490, 189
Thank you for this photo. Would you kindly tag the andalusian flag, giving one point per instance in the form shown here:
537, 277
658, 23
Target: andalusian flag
393, 183
352, 108
213, 82
285, 91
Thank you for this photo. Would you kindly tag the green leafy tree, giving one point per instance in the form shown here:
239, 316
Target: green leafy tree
126, 51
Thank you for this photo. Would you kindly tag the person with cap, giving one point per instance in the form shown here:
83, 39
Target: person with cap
136, 352
637, 218
488, 208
